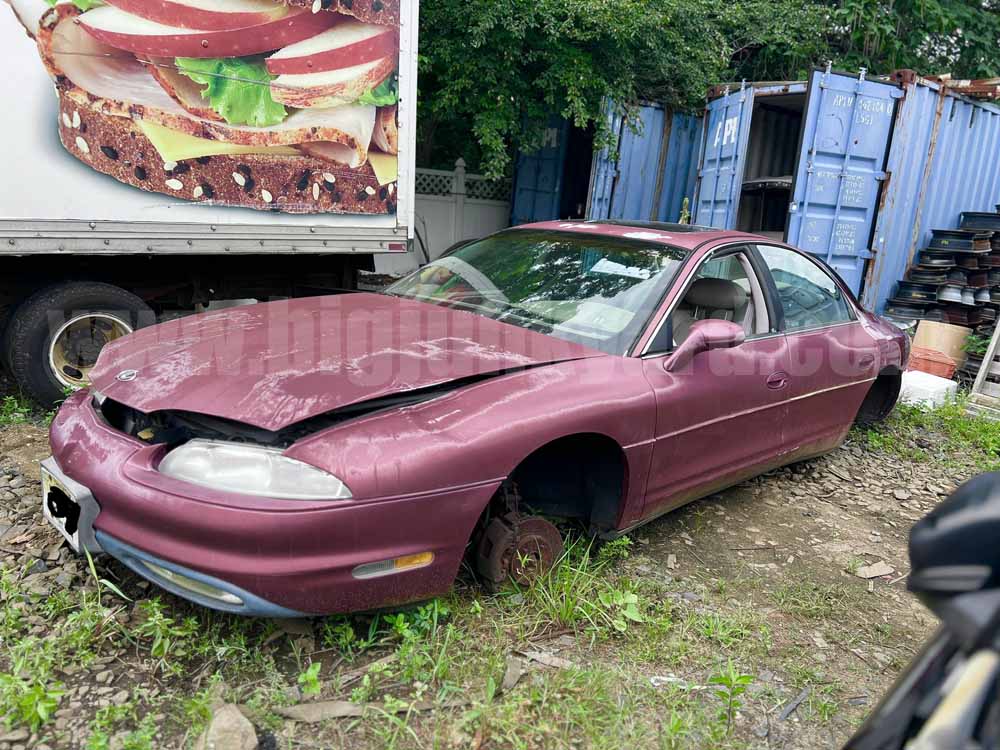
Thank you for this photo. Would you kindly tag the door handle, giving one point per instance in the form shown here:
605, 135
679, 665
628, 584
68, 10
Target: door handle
866, 361
777, 380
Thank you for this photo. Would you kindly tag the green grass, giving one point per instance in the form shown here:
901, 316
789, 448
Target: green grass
947, 431
813, 600
15, 410
581, 594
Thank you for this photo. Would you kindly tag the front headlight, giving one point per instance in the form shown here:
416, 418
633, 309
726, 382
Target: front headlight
250, 470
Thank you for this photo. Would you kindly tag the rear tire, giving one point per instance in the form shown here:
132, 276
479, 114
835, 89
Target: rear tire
54, 336
880, 400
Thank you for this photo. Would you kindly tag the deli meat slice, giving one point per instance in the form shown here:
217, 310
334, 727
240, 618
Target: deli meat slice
181, 89
386, 135
116, 83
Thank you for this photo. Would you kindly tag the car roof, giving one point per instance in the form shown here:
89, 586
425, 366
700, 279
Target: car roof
685, 236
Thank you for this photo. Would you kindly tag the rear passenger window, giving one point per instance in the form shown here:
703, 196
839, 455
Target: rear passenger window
809, 295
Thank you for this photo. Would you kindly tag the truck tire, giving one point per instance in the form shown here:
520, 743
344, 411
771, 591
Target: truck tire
54, 336
5, 330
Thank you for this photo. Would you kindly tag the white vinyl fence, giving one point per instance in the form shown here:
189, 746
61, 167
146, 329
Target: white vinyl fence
450, 207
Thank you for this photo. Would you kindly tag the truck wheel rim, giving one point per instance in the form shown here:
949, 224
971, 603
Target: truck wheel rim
75, 346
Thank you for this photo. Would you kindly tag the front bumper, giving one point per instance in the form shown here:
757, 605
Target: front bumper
278, 557
147, 566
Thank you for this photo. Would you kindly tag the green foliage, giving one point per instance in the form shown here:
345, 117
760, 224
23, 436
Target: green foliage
14, 410
168, 639
617, 549
930, 36
812, 600
83, 5
102, 583
309, 680
28, 695
578, 593
105, 723
976, 344
493, 73
955, 430
731, 685
723, 630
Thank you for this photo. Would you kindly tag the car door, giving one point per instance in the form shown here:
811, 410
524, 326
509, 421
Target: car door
720, 418
832, 359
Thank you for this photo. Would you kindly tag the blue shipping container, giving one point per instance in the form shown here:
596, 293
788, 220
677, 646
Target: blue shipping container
650, 168
857, 171
944, 159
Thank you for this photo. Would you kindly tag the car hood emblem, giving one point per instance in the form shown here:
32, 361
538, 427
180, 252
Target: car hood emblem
127, 376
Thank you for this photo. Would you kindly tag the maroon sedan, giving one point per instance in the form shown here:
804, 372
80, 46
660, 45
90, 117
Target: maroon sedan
347, 452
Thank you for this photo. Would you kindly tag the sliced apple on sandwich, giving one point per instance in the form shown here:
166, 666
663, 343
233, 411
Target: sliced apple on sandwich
207, 15
142, 36
337, 66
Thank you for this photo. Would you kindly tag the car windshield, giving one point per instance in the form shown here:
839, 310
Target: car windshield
589, 289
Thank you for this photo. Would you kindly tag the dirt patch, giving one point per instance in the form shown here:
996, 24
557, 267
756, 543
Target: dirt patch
23, 447
791, 547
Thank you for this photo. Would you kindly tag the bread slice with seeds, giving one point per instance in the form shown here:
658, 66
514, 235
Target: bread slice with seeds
384, 12
297, 184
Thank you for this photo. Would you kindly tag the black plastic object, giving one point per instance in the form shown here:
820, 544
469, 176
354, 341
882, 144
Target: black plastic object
911, 290
981, 220
935, 277
918, 304
908, 704
960, 240
955, 561
936, 259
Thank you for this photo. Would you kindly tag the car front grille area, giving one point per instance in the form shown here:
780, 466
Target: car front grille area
176, 427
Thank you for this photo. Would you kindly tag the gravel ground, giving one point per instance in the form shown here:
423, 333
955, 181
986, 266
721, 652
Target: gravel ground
795, 579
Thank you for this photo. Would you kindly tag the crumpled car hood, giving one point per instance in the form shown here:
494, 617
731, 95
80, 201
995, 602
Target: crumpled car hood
274, 364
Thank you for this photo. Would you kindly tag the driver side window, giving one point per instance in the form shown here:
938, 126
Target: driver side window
809, 296
725, 287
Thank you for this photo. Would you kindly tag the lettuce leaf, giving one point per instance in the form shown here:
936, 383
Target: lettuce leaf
237, 88
383, 95
83, 5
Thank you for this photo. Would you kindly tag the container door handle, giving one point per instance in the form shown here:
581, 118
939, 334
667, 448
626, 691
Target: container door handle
777, 380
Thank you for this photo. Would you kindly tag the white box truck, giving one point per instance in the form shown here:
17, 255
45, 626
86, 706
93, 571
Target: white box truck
160, 155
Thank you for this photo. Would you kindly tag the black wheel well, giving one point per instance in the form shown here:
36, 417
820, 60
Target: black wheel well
581, 477
881, 396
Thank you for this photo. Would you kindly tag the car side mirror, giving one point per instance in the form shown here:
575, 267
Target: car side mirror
955, 560
704, 336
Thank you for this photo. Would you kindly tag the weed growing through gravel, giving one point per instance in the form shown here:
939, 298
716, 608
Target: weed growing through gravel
29, 694
15, 410
577, 593
731, 685
309, 679
169, 640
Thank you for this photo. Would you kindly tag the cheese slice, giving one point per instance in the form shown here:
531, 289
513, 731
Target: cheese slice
386, 166
174, 145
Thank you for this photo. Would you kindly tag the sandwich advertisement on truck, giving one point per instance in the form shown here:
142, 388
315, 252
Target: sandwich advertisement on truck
243, 106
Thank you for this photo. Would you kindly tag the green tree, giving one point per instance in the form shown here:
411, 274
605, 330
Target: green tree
961, 37
492, 72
